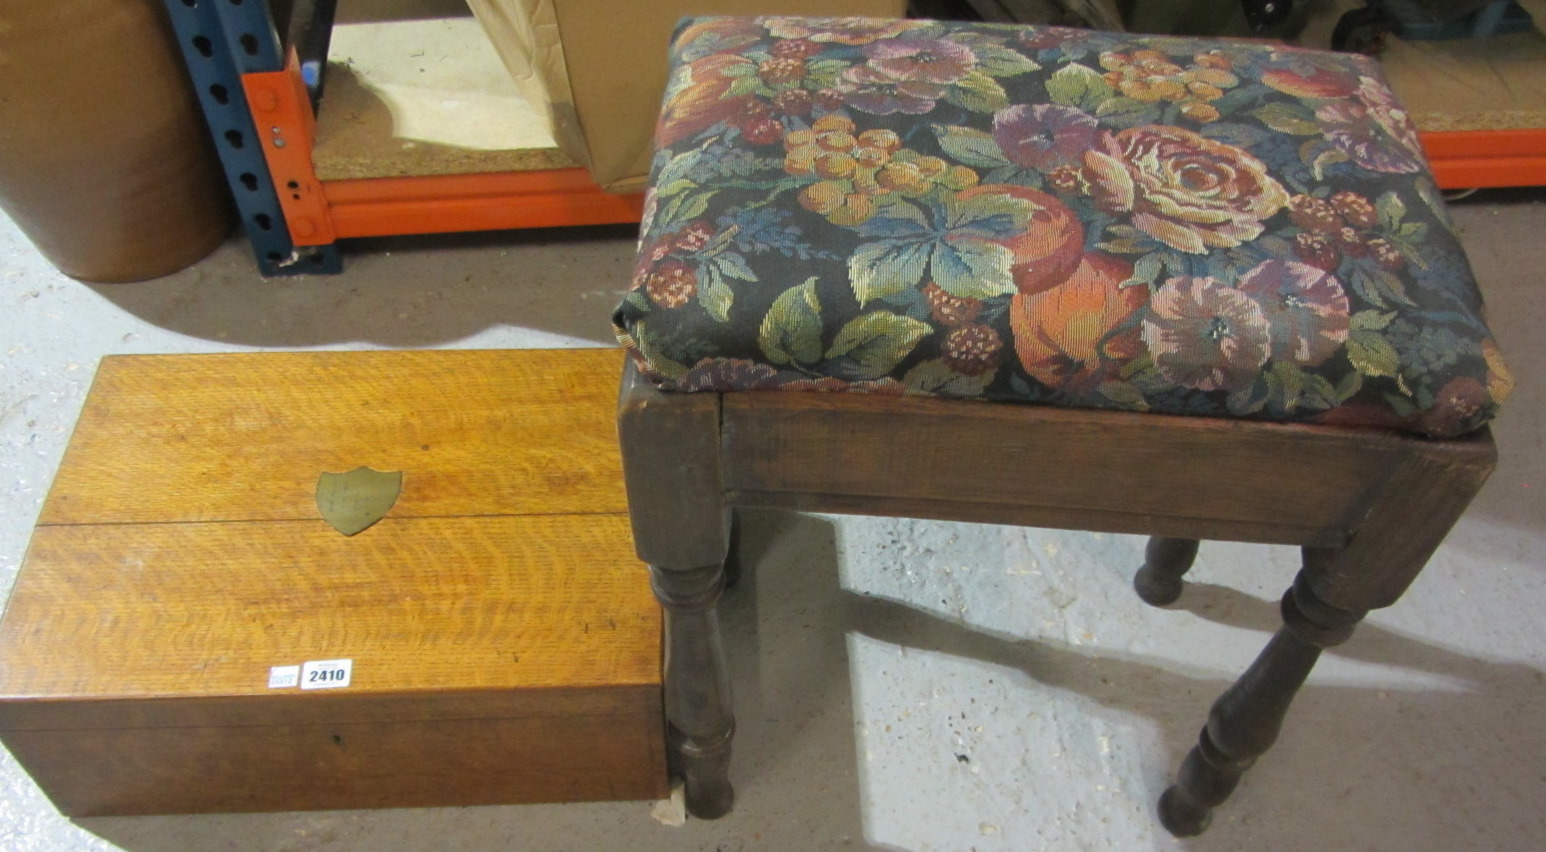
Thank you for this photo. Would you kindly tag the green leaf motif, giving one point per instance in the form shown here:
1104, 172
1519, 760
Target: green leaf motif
1241, 96
1147, 270
1327, 158
962, 250
1379, 287
990, 215
1249, 400
880, 269
791, 332
714, 294
1127, 112
999, 61
937, 377
1402, 406
1431, 197
1319, 394
897, 220
823, 73
871, 346
1125, 239
971, 146
972, 268
1079, 86
977, 92
1371, 320
684, 208
676, 187
1391, 211
740, 69
1391, 286
1290, 388
826, 66
656, 356
732, 265
1371, 354
1288, 118
679, 167
1349, 387
1124, 394
1285, 385
747, 86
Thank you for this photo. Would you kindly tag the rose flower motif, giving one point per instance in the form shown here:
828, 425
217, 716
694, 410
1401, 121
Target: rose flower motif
1189, 192
923, 60
1206, 335
1373, 129
1044, 136
1066, 337
1306, 310
839, 30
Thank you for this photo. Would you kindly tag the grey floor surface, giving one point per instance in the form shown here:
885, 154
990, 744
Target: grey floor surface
901, 684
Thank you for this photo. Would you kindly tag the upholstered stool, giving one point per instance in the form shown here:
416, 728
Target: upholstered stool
1217, 278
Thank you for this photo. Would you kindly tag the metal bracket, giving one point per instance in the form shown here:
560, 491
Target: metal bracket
287, 128
219, 40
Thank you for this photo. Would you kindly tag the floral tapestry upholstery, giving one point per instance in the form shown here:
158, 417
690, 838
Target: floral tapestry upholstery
1051, 216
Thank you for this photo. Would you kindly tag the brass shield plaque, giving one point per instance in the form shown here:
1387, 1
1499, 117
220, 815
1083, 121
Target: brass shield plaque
352, 501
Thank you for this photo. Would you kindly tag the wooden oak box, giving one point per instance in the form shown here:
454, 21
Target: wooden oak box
503, 644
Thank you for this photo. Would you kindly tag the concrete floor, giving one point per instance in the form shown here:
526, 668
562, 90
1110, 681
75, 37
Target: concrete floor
901, 684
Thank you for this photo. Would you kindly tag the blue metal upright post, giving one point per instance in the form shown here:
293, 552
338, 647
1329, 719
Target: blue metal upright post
221, 40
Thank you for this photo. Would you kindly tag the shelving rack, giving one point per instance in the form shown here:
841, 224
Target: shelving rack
259, 96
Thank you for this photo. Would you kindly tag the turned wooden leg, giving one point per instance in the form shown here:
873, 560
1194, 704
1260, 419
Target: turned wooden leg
697, 688
733, 557
1246, 719
681, 529
1165, 562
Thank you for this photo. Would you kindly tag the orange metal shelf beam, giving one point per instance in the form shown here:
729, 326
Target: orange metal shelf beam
378, 207
1470, 159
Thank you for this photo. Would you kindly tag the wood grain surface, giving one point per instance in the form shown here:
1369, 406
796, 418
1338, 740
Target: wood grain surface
1080, 469
199, 610
242, 437
478, 761
505, 643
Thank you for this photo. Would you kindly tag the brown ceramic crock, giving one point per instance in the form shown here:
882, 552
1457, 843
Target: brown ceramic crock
105, 162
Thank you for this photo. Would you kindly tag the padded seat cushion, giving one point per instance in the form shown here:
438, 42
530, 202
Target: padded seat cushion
1052, 216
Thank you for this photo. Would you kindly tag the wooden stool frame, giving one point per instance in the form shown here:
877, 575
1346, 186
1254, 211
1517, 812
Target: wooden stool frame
1368, 508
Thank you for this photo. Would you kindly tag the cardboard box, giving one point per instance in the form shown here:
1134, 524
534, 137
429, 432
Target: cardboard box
183, 598
601, 67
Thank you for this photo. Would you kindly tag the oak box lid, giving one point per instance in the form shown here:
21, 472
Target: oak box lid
180, 555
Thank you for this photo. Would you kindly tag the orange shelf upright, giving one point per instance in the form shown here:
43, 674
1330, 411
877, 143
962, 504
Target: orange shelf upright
321, 212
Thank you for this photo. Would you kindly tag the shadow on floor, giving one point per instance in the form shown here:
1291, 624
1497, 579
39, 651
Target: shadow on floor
397, 293
1492, 717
